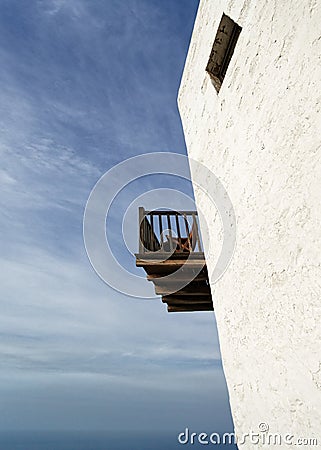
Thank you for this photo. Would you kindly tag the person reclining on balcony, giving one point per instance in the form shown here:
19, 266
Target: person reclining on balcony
183, 244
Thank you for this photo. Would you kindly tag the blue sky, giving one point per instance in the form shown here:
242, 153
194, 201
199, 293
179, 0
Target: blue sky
86, 84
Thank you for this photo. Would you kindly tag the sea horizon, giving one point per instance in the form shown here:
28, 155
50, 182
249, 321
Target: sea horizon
97, 440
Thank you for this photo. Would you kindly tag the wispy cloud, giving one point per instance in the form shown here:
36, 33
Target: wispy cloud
56, 318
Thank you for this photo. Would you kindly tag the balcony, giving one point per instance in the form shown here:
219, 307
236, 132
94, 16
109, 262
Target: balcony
171, 253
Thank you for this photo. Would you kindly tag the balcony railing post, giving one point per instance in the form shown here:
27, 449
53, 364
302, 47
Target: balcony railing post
170, 232
195, 223
152, 243
177, 226
187, 232
161, 231
141, 227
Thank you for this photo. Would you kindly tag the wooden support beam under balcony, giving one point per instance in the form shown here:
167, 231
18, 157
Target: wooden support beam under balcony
176, 300
179, 278
171, 253
189, 290
190, 308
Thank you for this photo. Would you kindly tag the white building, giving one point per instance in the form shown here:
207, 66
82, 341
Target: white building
259, 132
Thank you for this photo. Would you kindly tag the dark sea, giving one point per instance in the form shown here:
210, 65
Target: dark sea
98, 441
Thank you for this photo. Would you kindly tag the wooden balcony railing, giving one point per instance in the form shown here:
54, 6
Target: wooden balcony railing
169, 232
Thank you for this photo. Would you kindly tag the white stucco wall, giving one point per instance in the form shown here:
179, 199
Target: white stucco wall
261, 136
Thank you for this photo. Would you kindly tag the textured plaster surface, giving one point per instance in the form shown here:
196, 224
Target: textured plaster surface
261, 136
